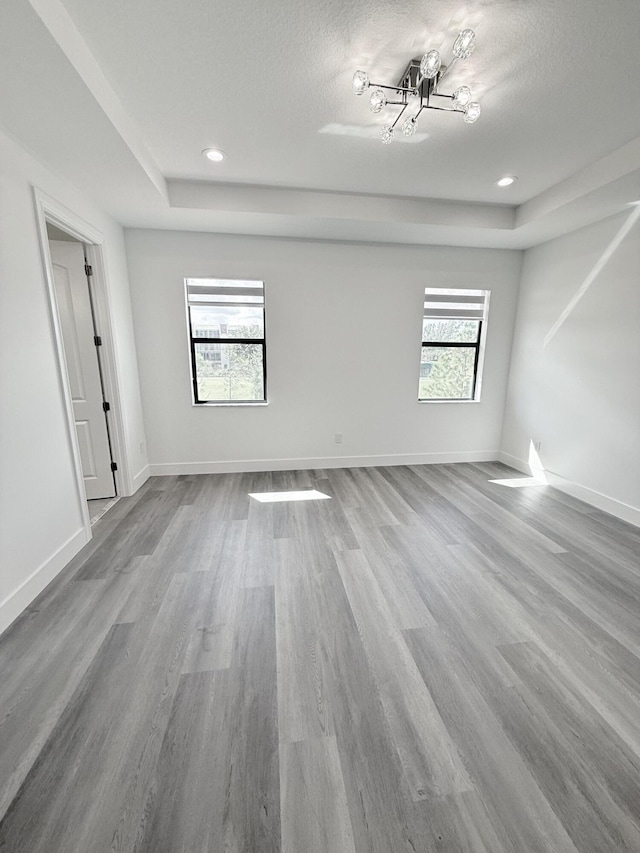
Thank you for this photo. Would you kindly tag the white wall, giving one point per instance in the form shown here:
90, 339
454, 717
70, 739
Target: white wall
41, 525
579, 394
343, 346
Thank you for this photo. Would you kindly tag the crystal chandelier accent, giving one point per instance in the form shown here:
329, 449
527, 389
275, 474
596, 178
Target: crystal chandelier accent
464, 45
409, 126
461, 97
360, 82
430, 64
387, 134
419, 86
472, 112
377, 100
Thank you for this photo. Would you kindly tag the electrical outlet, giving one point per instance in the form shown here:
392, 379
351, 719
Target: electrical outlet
141, 448
537, 445
338, 438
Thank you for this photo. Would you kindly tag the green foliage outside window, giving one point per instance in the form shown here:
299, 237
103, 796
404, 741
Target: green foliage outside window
236, 373
448, 372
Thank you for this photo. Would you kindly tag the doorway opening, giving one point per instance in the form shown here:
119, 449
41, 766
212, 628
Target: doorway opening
82, 342
81, 322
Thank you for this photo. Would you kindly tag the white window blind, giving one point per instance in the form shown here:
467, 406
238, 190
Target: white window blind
455, 305
232, 294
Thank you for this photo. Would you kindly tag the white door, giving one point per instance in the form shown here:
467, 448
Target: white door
76, 320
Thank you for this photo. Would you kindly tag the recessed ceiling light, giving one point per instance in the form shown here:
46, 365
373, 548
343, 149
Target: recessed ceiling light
213, 154
506, 181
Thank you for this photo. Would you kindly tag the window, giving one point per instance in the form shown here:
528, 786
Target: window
227, 340
452, 344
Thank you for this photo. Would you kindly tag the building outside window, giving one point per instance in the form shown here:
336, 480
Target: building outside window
453, 334
226, 323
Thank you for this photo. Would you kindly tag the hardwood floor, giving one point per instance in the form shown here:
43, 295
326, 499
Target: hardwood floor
427, 662
97, 508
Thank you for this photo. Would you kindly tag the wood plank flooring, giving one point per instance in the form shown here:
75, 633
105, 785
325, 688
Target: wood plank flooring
428, 661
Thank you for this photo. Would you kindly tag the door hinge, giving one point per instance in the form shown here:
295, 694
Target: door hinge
97, 340
114, 466
106, 407
88, 270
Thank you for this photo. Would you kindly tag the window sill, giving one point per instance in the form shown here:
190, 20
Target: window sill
228, 405
449, 402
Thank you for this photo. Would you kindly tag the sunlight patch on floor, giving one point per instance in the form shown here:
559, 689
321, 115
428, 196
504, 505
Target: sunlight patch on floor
520, 482
274, 497
538, 476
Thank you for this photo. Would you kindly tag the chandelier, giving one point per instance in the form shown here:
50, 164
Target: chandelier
419, 86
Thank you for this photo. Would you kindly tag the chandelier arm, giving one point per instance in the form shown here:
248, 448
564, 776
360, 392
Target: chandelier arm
399, 116
442, 109
393, 88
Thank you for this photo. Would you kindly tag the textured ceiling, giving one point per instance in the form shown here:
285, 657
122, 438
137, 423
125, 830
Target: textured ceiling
263, 80
138, 89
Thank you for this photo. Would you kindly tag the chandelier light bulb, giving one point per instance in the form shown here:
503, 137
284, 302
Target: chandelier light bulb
472, 112
387, 134
360, 82
464, 44
461, 97
409, 126
377, 100
430, 64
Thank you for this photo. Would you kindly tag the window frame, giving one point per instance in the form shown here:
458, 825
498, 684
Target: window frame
193, 340
478, 345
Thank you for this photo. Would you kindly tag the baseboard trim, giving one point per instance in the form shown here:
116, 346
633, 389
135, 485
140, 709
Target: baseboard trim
140, 479
620, 510
239, 466
515, 462
17, 601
